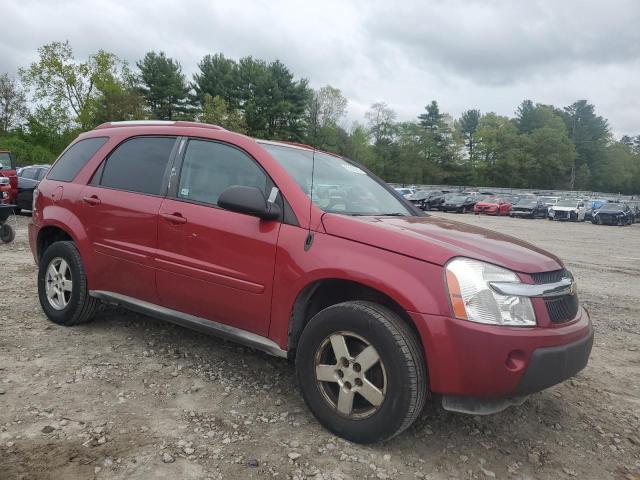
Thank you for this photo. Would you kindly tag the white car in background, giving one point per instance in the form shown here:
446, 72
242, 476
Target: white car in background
568, 209
405, 191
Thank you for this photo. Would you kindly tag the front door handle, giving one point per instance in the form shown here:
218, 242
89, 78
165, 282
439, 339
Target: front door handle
174, 217
92, 200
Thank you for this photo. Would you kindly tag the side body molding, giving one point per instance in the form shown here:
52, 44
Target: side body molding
195, 323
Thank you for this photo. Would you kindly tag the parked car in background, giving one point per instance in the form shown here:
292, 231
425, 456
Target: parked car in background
459, 203
593, 205
405, 191
435, 200
28, 180
613, 214
8, 191
418, 197
492, 206
360, 297
549, 201
568, 209
529, 207
635, 209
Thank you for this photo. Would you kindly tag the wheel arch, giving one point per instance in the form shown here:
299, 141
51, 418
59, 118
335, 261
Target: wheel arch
50, 234
323, 293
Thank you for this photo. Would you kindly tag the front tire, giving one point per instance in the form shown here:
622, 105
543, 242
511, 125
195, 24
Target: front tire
361, 371
62, 286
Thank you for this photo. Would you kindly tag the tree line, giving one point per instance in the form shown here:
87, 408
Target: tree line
541, 146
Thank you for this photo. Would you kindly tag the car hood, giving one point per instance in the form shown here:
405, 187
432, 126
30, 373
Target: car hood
437, 240
609, 210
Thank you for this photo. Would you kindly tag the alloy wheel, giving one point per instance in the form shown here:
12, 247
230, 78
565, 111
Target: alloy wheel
350, 375
58, 283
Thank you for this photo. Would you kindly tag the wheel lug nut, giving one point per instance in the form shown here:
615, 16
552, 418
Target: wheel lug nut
340, 373
356, 367
347, 385
358, 382
345, 362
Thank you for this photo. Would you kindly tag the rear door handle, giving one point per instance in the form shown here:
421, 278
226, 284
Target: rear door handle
174, 217
92, 200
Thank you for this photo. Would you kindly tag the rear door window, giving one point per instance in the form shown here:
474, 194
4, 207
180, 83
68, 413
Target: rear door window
74, 158
137, 165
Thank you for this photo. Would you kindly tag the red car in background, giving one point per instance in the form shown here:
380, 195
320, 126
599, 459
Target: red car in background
493, 206
8, 191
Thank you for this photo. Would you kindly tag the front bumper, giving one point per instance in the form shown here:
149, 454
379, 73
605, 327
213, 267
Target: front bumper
521, 213
467, 359
487, 210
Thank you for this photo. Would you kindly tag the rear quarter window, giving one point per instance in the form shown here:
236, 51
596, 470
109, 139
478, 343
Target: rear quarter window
74, 158
137, 165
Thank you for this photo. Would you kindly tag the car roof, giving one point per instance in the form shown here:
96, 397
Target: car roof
208, 126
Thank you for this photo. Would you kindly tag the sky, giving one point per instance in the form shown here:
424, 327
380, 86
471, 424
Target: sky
485, 54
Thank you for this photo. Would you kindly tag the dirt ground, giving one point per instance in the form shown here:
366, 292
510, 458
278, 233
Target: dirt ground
131, 397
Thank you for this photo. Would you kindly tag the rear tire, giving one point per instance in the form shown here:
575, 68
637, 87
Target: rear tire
7, 233
331, 382
62, 290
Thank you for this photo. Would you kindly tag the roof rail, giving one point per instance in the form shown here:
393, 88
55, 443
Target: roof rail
151, 123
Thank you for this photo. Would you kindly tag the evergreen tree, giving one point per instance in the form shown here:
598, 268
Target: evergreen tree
163, 86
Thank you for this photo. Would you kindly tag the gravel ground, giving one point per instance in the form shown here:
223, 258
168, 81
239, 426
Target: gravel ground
132, 397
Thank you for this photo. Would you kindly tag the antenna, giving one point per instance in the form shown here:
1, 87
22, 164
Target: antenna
309, 240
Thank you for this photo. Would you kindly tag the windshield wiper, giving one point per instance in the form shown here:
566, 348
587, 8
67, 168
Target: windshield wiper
393, 214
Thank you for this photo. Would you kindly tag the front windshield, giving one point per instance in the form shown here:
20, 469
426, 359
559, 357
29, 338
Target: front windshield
492, 200
457, 198
527, 202
613, 206
338, 186
566, 203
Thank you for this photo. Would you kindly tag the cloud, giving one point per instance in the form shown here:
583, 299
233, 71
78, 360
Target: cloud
485, 54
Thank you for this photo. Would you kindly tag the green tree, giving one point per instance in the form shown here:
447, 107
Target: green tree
438, 141
218, 77
382, 129
163, 86
273, 103
216, 111
590, 134
58, 79
117, 99
13, 104
468, 126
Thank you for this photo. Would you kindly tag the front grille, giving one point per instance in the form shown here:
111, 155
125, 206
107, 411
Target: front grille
560, 309
549, 277
561, 214
609, 218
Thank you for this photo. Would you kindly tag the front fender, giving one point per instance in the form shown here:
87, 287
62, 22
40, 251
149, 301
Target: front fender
415, 285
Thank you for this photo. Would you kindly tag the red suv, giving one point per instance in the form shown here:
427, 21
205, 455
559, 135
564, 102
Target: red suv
304, 255
8, 178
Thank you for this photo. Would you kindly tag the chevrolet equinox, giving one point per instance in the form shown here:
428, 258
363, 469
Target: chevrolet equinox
308, 256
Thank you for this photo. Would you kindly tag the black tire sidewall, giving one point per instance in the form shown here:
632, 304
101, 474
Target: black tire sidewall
63, 250
7, 233
391, 415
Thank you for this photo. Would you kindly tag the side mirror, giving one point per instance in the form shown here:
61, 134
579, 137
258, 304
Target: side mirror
248, 200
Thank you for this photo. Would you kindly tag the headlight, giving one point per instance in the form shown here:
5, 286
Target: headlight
472, 298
